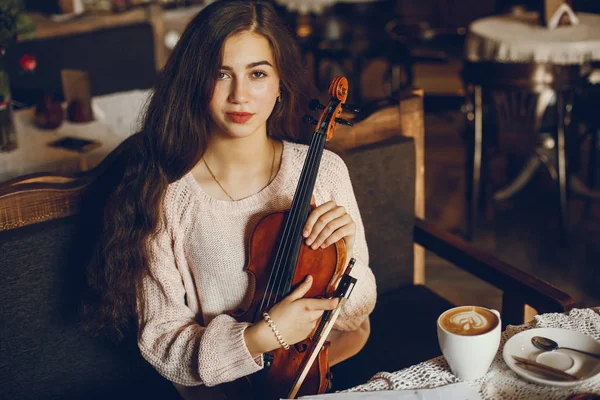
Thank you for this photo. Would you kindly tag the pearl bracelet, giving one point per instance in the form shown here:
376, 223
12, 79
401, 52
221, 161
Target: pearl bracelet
282, 342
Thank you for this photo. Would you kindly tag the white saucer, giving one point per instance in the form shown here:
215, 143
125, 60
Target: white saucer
572, 362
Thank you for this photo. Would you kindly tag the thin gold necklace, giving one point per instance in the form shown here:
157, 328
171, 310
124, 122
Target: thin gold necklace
225, 191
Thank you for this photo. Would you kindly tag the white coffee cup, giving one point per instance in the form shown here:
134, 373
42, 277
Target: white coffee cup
468, 344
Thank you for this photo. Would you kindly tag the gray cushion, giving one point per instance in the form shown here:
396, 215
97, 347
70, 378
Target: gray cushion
383, 177
45, 354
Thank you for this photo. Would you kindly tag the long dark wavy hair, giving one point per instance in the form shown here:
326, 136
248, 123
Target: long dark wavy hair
173, 138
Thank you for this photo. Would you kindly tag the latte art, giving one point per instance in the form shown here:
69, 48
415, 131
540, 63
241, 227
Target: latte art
468, 321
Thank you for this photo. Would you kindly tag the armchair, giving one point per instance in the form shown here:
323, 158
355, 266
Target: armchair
47, 232
49, 226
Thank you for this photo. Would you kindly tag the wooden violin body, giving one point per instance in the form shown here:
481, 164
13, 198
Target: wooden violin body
326, 267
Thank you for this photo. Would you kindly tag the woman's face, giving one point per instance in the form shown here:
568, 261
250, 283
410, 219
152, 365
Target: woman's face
246, 87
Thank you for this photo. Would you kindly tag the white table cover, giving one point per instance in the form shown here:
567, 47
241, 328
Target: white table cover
117, 117
513, 38
500, 382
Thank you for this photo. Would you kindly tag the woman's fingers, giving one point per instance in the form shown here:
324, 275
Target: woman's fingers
335, 230
323, 221
314, 217
301, 290
320, 305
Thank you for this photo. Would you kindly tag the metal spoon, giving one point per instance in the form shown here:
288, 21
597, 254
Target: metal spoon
546, 344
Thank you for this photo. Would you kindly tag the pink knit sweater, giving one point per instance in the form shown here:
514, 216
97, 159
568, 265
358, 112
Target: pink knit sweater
196, 271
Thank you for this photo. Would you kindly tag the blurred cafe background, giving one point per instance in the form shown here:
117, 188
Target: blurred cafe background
510, 89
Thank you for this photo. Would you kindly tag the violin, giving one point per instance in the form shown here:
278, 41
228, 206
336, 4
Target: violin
279, 260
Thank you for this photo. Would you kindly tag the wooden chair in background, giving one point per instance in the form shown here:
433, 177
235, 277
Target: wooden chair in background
516, 96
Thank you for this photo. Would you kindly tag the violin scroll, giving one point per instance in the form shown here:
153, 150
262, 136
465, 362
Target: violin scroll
338, 90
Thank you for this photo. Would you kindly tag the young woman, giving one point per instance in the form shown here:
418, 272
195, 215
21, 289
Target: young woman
221, 147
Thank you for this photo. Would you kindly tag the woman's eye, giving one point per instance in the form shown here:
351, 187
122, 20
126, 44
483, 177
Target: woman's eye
222, 75
258, 74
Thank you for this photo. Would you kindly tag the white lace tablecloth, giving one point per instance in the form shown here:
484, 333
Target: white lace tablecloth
499, 382
513, 38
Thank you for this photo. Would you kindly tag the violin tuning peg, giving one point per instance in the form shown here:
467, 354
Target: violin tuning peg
351, 108
314, 104
309, 120
344, 122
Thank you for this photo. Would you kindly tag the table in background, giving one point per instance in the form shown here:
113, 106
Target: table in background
117, 117
500, 382
519, 38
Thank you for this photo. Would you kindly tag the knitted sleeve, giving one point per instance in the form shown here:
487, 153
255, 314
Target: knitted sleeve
170, 338
335, 185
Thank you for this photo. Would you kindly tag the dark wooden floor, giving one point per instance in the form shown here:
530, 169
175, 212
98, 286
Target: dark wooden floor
524, 233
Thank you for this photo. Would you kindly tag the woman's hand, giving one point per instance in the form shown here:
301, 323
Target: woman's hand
327, 224
295, 317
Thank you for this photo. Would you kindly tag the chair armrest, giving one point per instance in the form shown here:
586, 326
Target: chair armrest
519, 287
37, 177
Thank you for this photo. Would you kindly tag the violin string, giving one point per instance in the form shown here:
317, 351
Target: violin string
282, 248
295, 219
291, 224
303, 198
278, 275
298, 221
280, 263
314, 154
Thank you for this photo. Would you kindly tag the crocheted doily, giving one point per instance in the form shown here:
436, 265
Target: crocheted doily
499, 382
